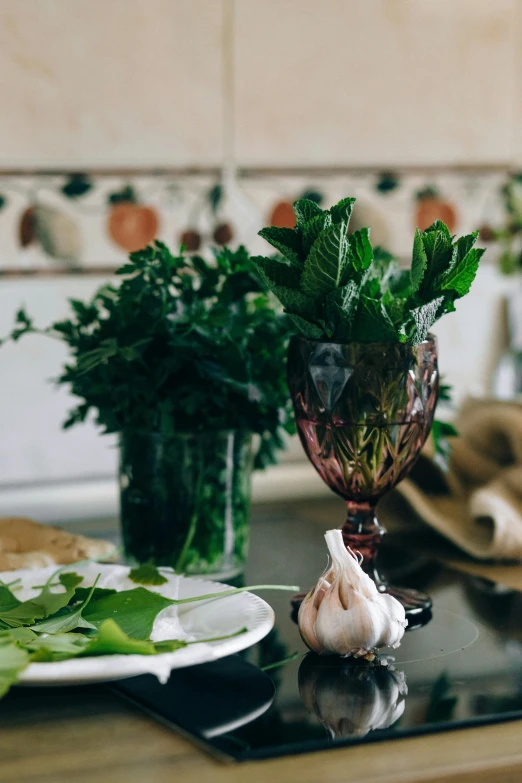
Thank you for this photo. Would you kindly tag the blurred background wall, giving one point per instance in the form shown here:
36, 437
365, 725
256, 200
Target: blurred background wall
202, 120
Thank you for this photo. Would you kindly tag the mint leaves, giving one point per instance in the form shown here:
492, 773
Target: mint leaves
336, 286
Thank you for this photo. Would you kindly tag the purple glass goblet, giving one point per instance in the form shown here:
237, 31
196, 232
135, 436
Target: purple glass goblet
363, 412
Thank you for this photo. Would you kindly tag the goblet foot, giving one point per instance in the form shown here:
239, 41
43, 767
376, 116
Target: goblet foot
417, 604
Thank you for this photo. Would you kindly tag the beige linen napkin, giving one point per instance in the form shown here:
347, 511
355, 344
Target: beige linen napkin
478, 504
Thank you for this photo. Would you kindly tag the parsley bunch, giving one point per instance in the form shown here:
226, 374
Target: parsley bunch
335, 286
181, 345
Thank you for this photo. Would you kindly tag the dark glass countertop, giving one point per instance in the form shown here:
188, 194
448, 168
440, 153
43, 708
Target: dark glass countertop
462, 668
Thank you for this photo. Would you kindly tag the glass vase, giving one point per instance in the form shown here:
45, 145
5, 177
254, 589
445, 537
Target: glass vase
363, 413
185, 500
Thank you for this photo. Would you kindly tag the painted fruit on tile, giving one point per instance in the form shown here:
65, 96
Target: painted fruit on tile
431, 207
282, 215
132, 226
26, 228
191, 240
223, 234
57, 233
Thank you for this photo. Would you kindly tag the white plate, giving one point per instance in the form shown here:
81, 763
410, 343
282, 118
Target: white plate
198, 620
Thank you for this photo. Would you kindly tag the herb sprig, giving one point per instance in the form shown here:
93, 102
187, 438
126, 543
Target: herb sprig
335, 286
181, 345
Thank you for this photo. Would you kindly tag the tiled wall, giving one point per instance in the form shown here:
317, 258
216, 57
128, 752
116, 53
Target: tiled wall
61, 222
122, 82
325, 96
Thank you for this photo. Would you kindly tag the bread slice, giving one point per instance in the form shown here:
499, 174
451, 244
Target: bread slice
28, 544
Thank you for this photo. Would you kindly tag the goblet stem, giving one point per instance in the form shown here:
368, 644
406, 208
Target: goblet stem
362, 533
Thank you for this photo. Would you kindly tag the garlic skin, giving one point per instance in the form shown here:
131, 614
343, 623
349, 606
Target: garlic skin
345, 614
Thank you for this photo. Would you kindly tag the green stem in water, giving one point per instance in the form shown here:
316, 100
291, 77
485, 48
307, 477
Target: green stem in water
224, 593
180, 563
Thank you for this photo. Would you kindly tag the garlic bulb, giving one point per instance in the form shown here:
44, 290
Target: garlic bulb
351, 699
345, 614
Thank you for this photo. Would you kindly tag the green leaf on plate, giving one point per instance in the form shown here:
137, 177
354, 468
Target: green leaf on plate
112, 640
70, 580
13, 660
67, 618
135, 609
147, 574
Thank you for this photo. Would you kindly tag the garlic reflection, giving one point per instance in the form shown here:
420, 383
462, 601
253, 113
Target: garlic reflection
345, 614
351, 698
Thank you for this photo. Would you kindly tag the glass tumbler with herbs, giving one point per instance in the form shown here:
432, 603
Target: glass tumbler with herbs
185, 361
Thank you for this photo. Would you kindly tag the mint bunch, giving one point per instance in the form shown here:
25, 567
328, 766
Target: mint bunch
335, 286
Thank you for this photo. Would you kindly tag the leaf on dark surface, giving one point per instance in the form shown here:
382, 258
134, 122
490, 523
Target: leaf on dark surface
326, 262
286, 240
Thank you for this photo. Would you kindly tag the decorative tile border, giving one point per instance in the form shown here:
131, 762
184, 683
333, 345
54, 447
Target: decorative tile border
58, 222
